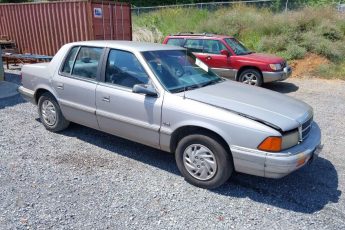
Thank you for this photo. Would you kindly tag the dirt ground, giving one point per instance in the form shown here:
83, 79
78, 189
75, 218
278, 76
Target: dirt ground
307, 65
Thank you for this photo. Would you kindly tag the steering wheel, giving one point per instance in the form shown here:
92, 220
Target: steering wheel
177, 70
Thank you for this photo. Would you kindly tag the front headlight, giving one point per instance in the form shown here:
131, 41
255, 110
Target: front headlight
290, 139
276, 67
276, 144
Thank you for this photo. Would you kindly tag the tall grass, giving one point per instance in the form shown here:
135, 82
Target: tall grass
319, 30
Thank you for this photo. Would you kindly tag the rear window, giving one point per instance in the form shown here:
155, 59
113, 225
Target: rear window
67, 67
194, 45
86, 63
82, 62
175, 41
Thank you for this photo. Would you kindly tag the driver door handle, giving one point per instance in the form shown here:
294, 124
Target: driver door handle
59, 85
208, 58
106, 99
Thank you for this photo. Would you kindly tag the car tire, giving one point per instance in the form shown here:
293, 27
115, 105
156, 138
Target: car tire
50, 113
251, 77
203, 161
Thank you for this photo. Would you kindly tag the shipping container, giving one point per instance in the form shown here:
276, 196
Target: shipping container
43, 27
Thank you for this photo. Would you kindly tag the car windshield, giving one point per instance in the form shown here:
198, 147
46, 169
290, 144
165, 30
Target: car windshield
237, 46
180, 70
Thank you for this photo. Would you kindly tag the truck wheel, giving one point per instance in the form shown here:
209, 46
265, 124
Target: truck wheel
251, 77
50, 113
203, 161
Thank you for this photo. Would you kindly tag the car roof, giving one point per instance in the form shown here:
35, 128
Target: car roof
203, 36
128, 45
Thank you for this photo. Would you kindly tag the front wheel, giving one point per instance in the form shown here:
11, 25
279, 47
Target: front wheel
203, 161
251, 77
50, 113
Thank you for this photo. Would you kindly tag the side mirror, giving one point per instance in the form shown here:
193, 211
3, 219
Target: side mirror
145, 89
225, 52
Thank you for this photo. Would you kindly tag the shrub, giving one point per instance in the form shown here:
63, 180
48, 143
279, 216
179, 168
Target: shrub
332, 50
330, 31
294, 51
147, 35
331, 71
273, 43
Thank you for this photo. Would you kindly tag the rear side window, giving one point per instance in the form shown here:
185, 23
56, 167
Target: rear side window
86, 63
194, 45
175, 41
67, 67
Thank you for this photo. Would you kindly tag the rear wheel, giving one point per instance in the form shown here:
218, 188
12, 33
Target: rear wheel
251, 77
203, 161
50, 113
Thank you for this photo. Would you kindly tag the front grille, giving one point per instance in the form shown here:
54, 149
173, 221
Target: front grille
283, 64
305, 128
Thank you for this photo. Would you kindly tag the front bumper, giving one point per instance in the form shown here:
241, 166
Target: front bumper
277, 165
27, 94
277, 76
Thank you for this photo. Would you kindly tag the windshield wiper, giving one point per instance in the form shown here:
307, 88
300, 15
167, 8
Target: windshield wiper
179, 90
186, 88
212, 82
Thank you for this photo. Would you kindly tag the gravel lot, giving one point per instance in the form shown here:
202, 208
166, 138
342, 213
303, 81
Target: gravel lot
86, 179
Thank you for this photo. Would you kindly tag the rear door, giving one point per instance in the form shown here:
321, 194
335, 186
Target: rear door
196, 46
120, 111
76, 83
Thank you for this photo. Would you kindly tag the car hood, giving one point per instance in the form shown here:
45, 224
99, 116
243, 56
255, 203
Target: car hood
272, 108
266, 58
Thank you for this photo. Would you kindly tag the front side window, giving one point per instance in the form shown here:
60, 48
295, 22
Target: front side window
237, 46
124, 69
213, 46
179, 70
86, 63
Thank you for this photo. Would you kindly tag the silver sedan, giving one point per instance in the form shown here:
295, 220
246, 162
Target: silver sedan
164, 97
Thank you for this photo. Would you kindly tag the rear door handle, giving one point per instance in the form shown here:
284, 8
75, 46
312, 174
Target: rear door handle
208, 57
60, 85
106, 99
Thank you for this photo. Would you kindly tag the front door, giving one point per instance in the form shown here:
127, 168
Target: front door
120, 111
76, 83
218, 62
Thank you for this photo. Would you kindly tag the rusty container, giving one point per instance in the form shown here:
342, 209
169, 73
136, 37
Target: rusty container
42, 28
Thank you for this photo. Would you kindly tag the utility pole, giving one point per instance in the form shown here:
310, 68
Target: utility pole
286, 5
2, 74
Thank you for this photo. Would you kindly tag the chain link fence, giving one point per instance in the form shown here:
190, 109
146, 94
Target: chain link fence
207, 6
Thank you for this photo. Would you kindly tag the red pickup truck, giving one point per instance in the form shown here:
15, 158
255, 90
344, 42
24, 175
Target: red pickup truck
231, 59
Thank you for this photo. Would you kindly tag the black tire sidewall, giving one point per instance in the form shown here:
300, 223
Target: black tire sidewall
223, 159
60, 123
256, 73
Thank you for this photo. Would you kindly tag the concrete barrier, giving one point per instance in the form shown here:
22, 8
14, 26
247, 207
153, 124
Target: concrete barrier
8, 89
